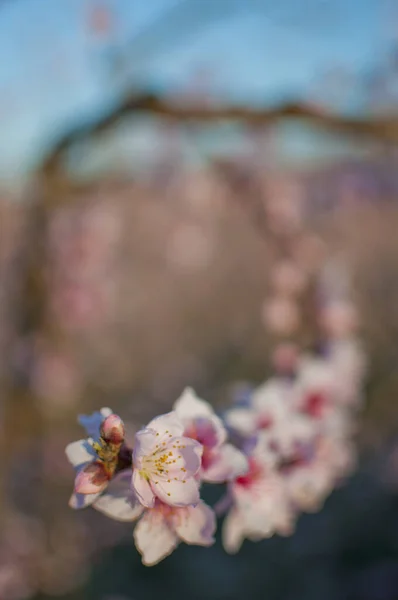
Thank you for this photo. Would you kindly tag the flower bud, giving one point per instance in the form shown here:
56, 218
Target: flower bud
112, 429
92, 479
285, 358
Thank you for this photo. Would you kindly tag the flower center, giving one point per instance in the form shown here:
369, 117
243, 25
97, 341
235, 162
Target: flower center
251, 476
264, 422
315, 404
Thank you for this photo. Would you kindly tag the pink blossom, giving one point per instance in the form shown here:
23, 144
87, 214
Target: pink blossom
309, 484
220, 461
54, 378
166, 463
288, 279
347, 359
269, 405
339, 319
285, 358
95, 460
281, 315
163, 527
260, 506
315, 387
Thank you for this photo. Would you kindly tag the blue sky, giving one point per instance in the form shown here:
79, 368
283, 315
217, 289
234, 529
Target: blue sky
52, 73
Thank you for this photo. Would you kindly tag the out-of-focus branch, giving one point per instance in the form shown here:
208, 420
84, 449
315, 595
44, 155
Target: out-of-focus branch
383, 128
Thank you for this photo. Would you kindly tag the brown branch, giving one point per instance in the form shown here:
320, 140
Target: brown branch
377, 128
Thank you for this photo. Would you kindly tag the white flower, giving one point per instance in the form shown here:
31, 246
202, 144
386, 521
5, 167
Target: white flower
165, 463
270, 404
260, 506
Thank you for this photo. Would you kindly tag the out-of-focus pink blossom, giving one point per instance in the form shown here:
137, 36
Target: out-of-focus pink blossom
288, 279
220, 461
285, 358
260, 506
339, 319
281, 316
269, 405
81, 305
54, 378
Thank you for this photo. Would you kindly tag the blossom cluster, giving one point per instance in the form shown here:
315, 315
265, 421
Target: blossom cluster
156, 482
292, 445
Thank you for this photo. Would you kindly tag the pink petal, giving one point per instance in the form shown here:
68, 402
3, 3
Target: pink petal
227, 464
199, 419
153, 538
177, 493
233, 532
118, 502
92, 479
166, 425
195, 524
209, 431
143, 490
112, 429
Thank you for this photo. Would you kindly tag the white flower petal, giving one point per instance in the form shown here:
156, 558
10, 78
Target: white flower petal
79, 501
106, 412
189, 405
233, 532
145, 442
243, 420
79, 453
143, 490
177, 493
153, 538
118, 502
185, 460
272, 393
165, 425
195, 524
229, 463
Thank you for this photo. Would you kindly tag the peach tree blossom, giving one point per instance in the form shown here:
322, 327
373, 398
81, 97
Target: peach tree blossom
165, 463
280, 453
221, 461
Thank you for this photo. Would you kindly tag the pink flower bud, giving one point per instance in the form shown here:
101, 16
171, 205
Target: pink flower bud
112, 429
288, 278
285, 358
281, 316
92, 479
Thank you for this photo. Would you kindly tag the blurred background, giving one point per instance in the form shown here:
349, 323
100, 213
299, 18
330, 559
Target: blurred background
150, 155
